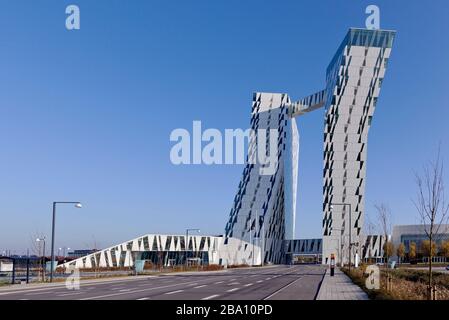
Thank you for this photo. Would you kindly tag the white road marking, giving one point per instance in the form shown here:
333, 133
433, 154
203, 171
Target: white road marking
141, 290
36, 293
218, 282
69, 294
211, 297
134, 291
144, 299
285, 287
232, 290
259, 281
125, 290
173, 292
233, 283
197, 287
248, 285
268, 279
83, 283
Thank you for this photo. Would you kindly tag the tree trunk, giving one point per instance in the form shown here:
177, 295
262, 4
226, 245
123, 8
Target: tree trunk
430, 261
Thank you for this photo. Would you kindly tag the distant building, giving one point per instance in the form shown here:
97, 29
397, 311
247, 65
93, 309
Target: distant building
407, 234
6, 266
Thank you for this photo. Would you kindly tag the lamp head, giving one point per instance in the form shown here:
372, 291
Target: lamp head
78, 205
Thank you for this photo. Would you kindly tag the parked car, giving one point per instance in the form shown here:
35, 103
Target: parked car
447, 268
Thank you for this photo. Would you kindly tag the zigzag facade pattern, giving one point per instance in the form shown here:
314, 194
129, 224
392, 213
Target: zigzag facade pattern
261, 223
354, 79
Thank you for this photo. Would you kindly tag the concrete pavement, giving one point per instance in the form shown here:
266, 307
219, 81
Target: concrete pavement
300, 282
340, 287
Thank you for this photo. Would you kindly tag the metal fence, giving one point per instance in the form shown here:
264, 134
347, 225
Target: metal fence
21, 269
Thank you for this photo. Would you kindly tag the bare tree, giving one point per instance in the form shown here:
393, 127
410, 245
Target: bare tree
94, 246
36, 246
370, 229
431, 203
384, 218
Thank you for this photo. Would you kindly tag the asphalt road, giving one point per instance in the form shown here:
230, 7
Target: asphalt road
300, 282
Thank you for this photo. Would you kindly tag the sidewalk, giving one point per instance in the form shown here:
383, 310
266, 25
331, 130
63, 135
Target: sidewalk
339, 287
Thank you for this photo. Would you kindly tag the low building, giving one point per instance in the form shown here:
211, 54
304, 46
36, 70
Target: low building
407, 234
170, 250
303, 250
6, 266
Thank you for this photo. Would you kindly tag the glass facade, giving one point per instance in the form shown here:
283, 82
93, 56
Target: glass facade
173, 258
363, 38
418, 239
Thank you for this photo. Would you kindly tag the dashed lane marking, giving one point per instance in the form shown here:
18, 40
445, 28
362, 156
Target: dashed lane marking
173, 292
211, 297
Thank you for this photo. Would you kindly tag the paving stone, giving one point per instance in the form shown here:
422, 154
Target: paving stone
340, 287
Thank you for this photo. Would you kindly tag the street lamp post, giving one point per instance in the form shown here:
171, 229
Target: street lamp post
262, 236
77, 205
250, 243
187, 242
340, 243
43, 257
349, 230
63, 250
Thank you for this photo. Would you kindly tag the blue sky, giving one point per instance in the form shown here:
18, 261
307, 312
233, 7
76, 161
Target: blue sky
86, 115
